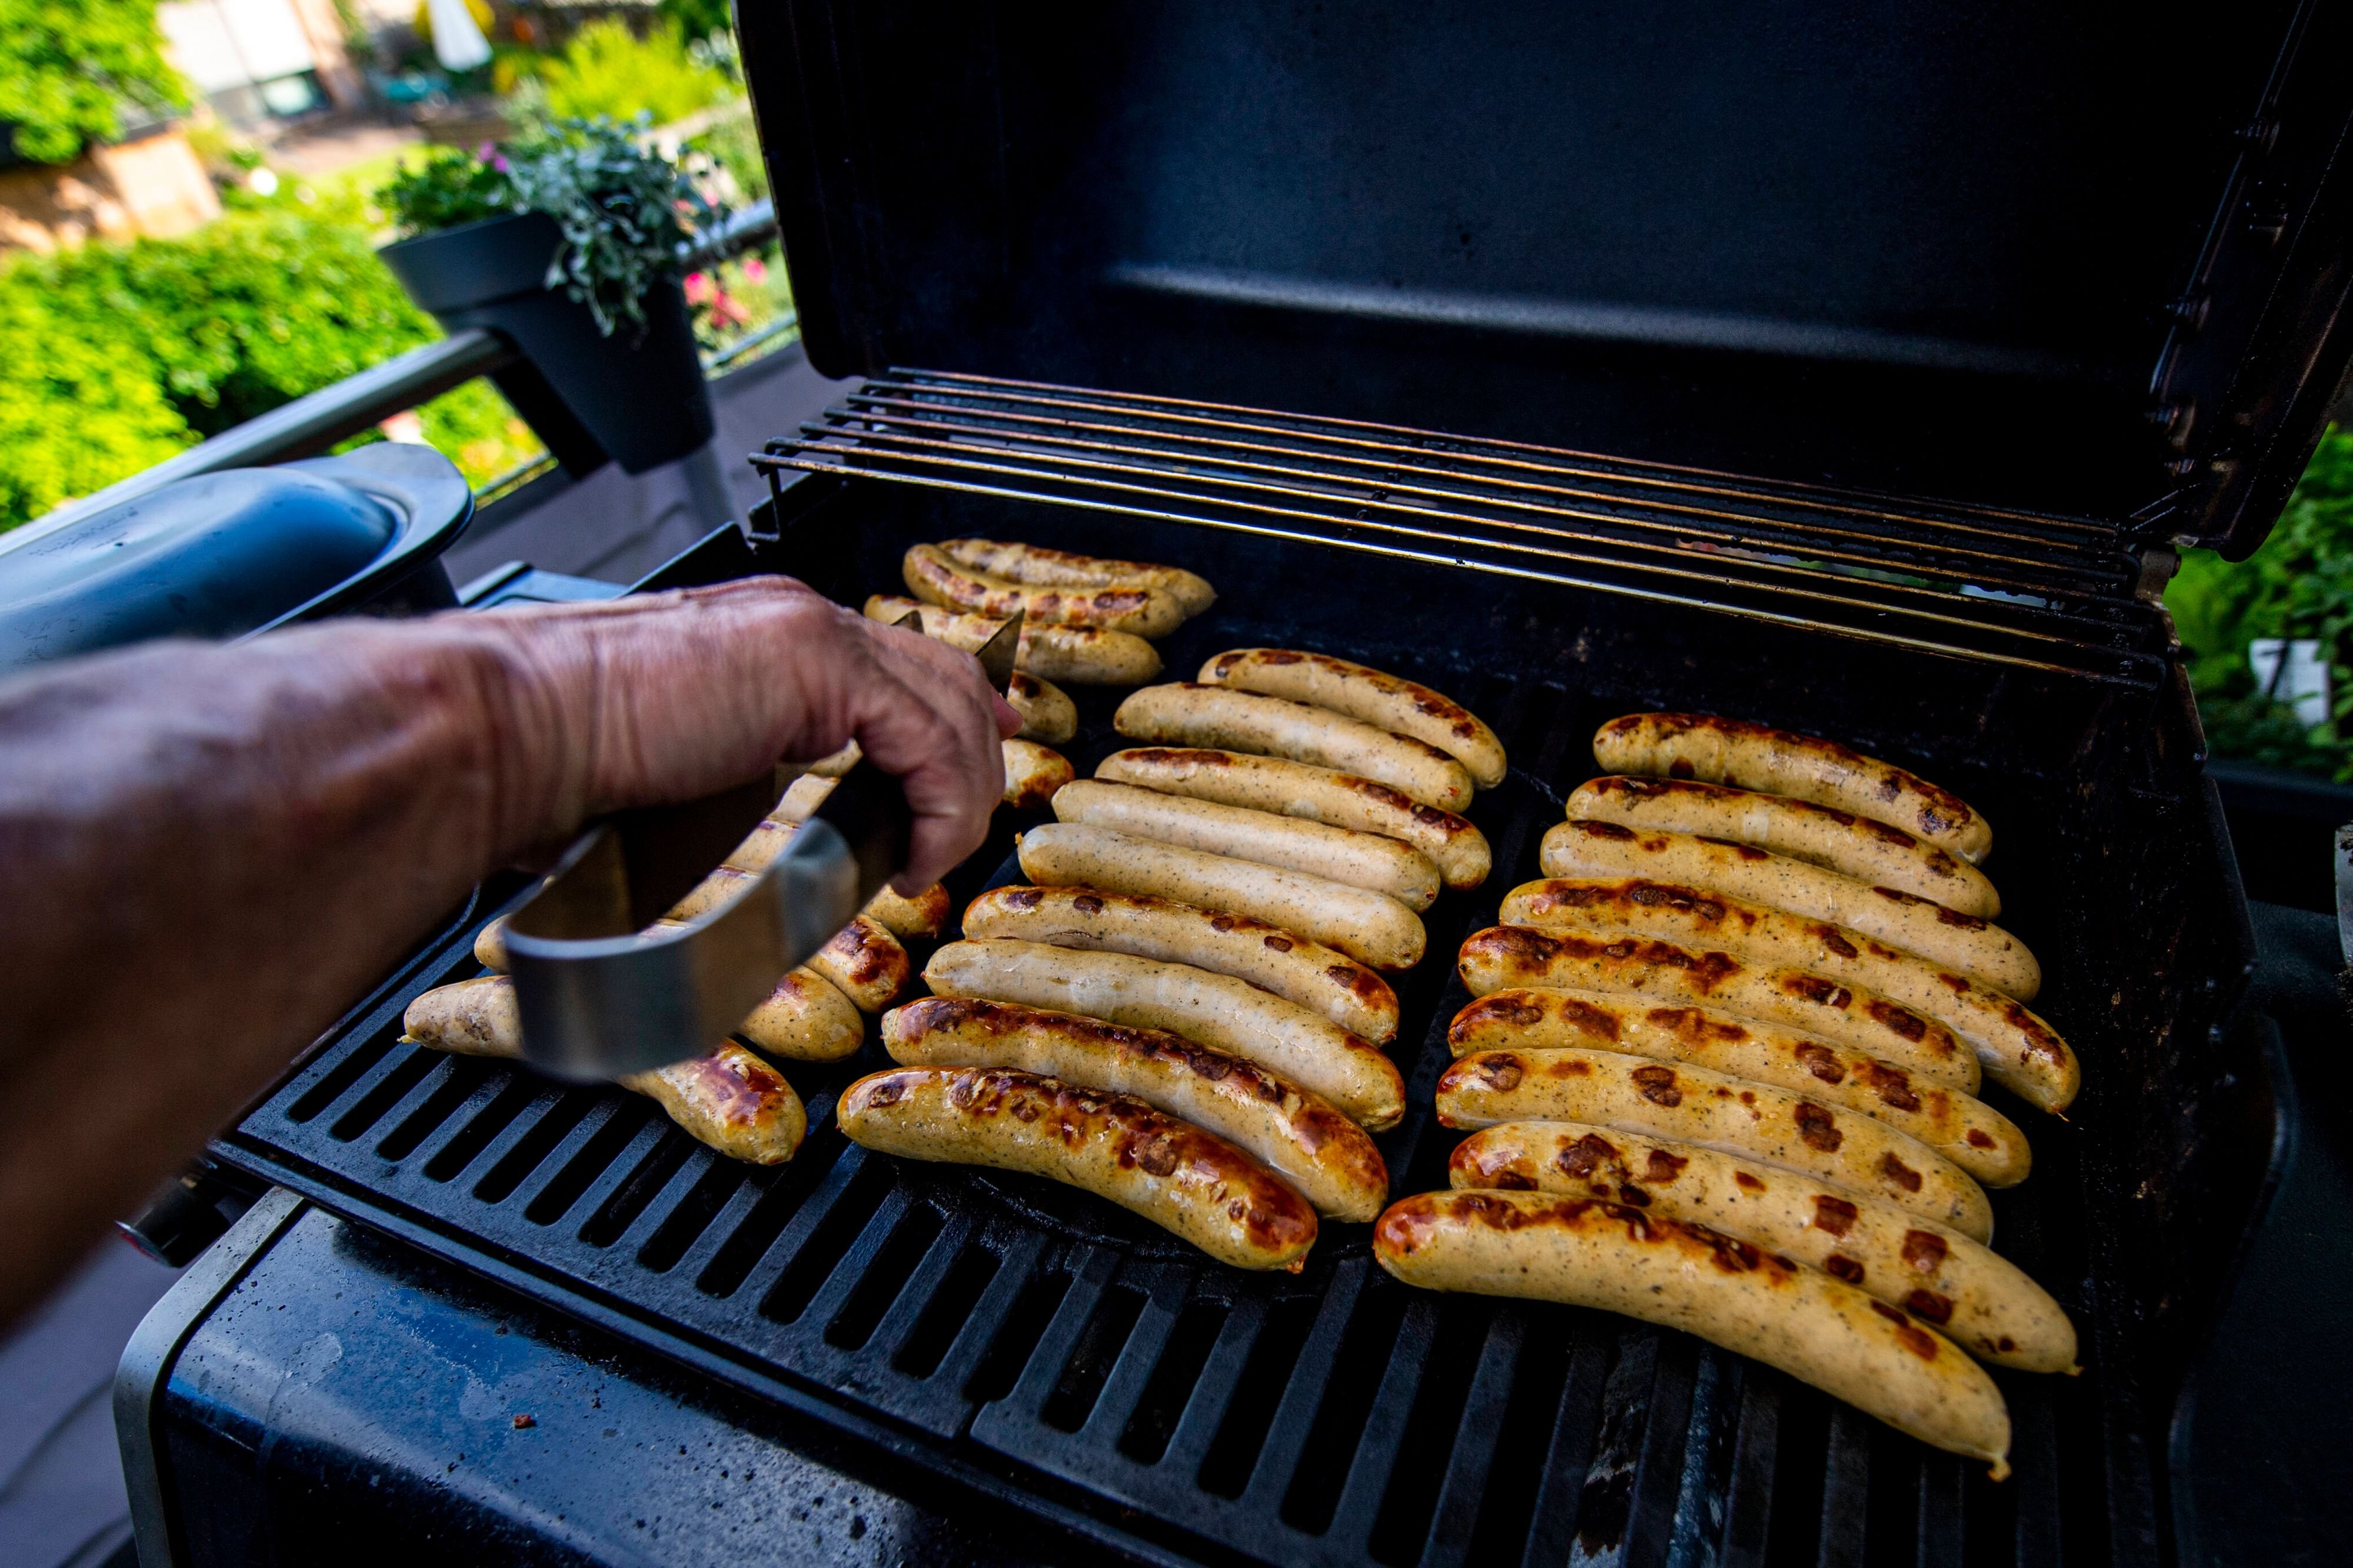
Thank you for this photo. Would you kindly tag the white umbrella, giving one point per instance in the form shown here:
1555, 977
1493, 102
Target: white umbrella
457, 42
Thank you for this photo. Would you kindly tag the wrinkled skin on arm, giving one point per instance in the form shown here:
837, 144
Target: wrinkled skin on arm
207, 853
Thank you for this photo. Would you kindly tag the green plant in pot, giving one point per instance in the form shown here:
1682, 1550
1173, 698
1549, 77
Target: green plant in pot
569, 241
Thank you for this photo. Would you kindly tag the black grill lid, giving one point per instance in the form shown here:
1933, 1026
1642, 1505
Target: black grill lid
2008, 254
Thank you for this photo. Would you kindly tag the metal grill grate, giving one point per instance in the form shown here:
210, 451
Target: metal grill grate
2011, 587
1020, 1336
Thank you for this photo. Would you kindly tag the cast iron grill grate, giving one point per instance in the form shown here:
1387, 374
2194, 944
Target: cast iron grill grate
2013, 588
1020, 1337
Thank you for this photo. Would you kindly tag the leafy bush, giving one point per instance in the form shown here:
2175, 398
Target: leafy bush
2299, 585
734, 145
607, 69
66, 70
112, 357
445, 188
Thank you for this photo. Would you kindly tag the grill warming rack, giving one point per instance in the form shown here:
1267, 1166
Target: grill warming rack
2008, 587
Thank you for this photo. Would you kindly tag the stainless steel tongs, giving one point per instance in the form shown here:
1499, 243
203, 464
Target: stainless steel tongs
602, 995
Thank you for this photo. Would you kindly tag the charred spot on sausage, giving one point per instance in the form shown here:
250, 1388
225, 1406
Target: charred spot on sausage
1818, 1128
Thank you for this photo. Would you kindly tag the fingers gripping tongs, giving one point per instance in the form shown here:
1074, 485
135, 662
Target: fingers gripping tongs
601, 995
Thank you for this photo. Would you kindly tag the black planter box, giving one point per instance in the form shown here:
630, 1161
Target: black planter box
638, 397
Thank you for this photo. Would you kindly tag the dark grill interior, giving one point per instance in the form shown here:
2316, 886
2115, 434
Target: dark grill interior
1029, 1341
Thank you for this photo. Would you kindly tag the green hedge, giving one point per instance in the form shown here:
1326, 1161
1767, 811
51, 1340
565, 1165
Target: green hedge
2299, 585
114, 356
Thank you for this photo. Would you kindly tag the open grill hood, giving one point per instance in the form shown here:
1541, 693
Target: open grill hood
2011, 255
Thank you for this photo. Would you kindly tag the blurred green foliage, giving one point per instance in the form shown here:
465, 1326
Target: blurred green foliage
607, 69
112, 357
2299, 585
66, 70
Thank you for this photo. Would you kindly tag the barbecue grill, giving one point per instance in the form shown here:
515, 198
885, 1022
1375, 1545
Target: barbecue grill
1857, 376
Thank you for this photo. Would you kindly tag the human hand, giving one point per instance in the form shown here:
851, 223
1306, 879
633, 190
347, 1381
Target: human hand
668, 697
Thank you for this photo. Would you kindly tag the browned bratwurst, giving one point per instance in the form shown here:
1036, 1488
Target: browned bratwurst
1144, 611
1681, 1276
2016, 1049
1322, 979
1322, 794
1190, 1181
1987, 1303
1032, 563
1751, 756
1963, 1129
1977, 948
1503, 957
1693, 1105
1187, 713
727, 1098
1360, 691
1306, 1140
1857, 846
1080, 655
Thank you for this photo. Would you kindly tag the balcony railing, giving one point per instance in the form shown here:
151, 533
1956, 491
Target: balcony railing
311, 423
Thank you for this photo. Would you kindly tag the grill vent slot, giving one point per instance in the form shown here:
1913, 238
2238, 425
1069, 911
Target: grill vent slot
1073, 1399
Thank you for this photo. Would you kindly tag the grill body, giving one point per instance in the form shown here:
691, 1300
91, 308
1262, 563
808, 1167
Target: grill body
1021, 1343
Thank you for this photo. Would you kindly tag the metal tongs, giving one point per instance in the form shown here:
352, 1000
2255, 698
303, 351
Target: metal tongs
602, 995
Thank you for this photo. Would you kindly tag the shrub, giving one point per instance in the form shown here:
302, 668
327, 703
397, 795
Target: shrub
66, 70
2299, 585
112, 357
607, 69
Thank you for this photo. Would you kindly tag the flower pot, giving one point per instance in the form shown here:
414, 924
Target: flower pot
638, 398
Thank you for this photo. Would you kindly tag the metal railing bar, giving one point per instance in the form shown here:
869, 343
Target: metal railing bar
309, 425
788, 323
1062, 472
1392, 528
891, 426
1789, 491
2117, 575
1500, 569
499, 486
755, 222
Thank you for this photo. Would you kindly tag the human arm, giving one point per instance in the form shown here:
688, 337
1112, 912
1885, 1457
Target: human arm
207, 852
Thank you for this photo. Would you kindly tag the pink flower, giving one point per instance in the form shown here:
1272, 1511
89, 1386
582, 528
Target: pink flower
755, 271
699, 288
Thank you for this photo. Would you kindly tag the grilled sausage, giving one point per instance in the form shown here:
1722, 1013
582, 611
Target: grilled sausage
804, 1019
1383, 700
1033, 773
2017, 1049
1337, 854
1046, 712
1966, 1131
1029, 563
1982, 950
1214, 1010
728, 1100
866, 964
1302, 1138
1181, 1178
1076, 655
1320, 979
921, 915
1190, 714
1691, 1105
1683, 1276
1301, 789
1371, 928
1750, 756
1985, 1302
1507, 957
1871, 852
1143, 611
